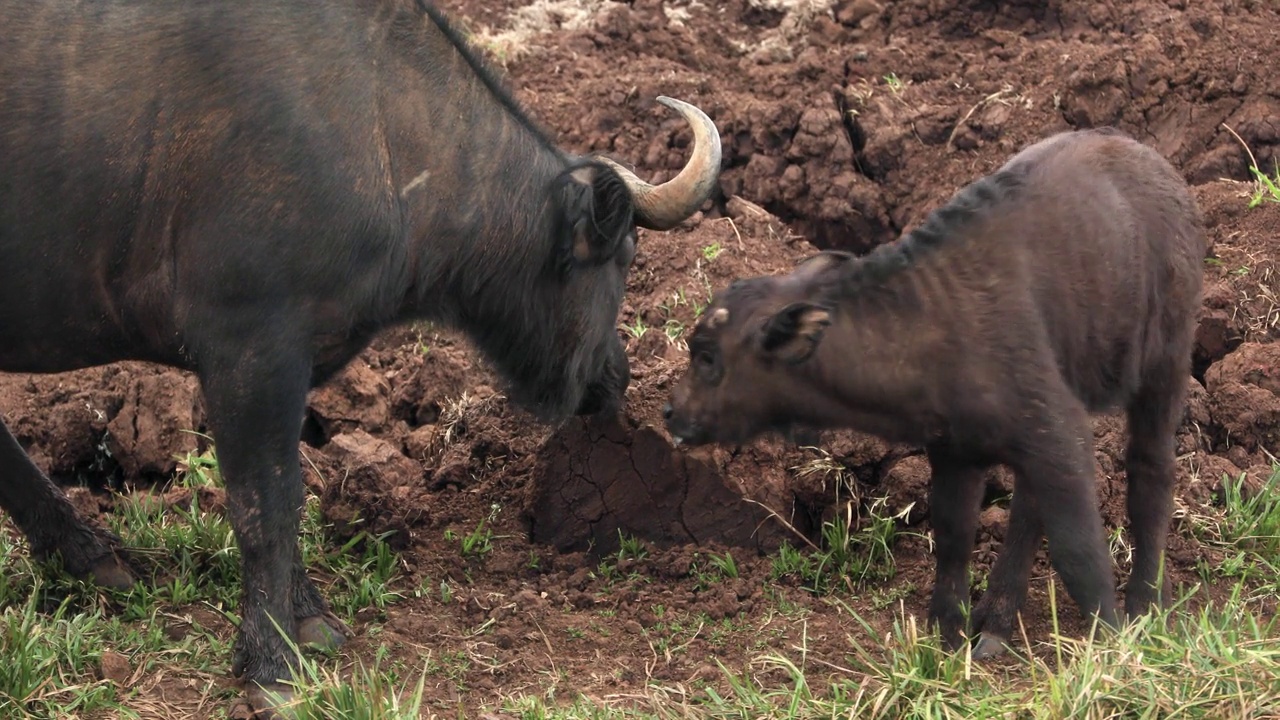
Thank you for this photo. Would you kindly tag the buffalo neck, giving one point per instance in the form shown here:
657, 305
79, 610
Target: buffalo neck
473, 176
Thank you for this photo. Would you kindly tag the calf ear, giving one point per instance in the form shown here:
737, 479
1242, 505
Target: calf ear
818, 263
794, 332
599, 212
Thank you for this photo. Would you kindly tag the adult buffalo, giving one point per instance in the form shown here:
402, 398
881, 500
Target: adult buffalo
252, 191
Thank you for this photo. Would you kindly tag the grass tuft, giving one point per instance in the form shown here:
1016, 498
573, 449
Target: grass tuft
1215, 663
1268, 187
55, 631
1221, 659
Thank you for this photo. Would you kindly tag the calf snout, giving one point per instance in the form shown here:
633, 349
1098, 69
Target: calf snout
678, 430
683, 429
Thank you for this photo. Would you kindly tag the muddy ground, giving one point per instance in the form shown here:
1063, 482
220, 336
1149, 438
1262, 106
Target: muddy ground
843, 124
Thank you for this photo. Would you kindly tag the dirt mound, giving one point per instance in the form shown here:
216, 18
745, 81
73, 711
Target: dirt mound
834, 120
1244, 392
843, 123
596, 480
124, 422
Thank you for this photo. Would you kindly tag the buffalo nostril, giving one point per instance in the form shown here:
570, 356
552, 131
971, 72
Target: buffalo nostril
666, 411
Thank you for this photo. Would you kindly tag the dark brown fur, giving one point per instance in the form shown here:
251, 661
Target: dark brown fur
1065, 283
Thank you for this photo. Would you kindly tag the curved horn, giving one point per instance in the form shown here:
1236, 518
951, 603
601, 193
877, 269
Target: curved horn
662, 207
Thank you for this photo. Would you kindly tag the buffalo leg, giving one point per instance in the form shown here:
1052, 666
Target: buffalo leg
50, 522
1154, 416
955, 494
997, 610
1055, 467
255, 395
317, 625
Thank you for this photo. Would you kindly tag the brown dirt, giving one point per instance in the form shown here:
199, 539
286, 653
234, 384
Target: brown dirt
820, 150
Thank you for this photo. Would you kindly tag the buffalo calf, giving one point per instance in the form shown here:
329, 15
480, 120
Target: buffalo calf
1065, 283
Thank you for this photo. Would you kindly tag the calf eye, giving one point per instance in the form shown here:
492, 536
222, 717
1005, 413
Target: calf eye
704, 358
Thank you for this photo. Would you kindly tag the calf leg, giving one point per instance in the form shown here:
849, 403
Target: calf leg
1055, 465
954, 497
50, 522
1154, 415
996, 613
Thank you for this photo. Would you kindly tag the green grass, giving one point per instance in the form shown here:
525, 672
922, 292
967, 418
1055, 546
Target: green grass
1222, 662
56, 630
1219, 661
1248, 531
53, 634
478, 543
857, 545
1214, 661
636, 329
369, 692
851, 553
1268, 187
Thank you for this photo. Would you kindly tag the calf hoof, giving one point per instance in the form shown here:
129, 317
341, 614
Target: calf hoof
990, 645
325, 631
111, 572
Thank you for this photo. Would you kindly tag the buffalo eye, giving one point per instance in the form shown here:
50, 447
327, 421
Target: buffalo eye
706, 365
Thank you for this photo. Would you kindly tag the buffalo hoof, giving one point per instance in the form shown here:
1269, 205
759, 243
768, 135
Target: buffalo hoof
272, 702
325, 632
111, 572
989, 646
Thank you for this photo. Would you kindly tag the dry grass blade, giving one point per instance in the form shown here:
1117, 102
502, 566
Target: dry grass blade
1000, 94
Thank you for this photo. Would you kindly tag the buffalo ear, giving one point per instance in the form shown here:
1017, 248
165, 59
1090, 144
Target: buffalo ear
599, 212
794, 332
